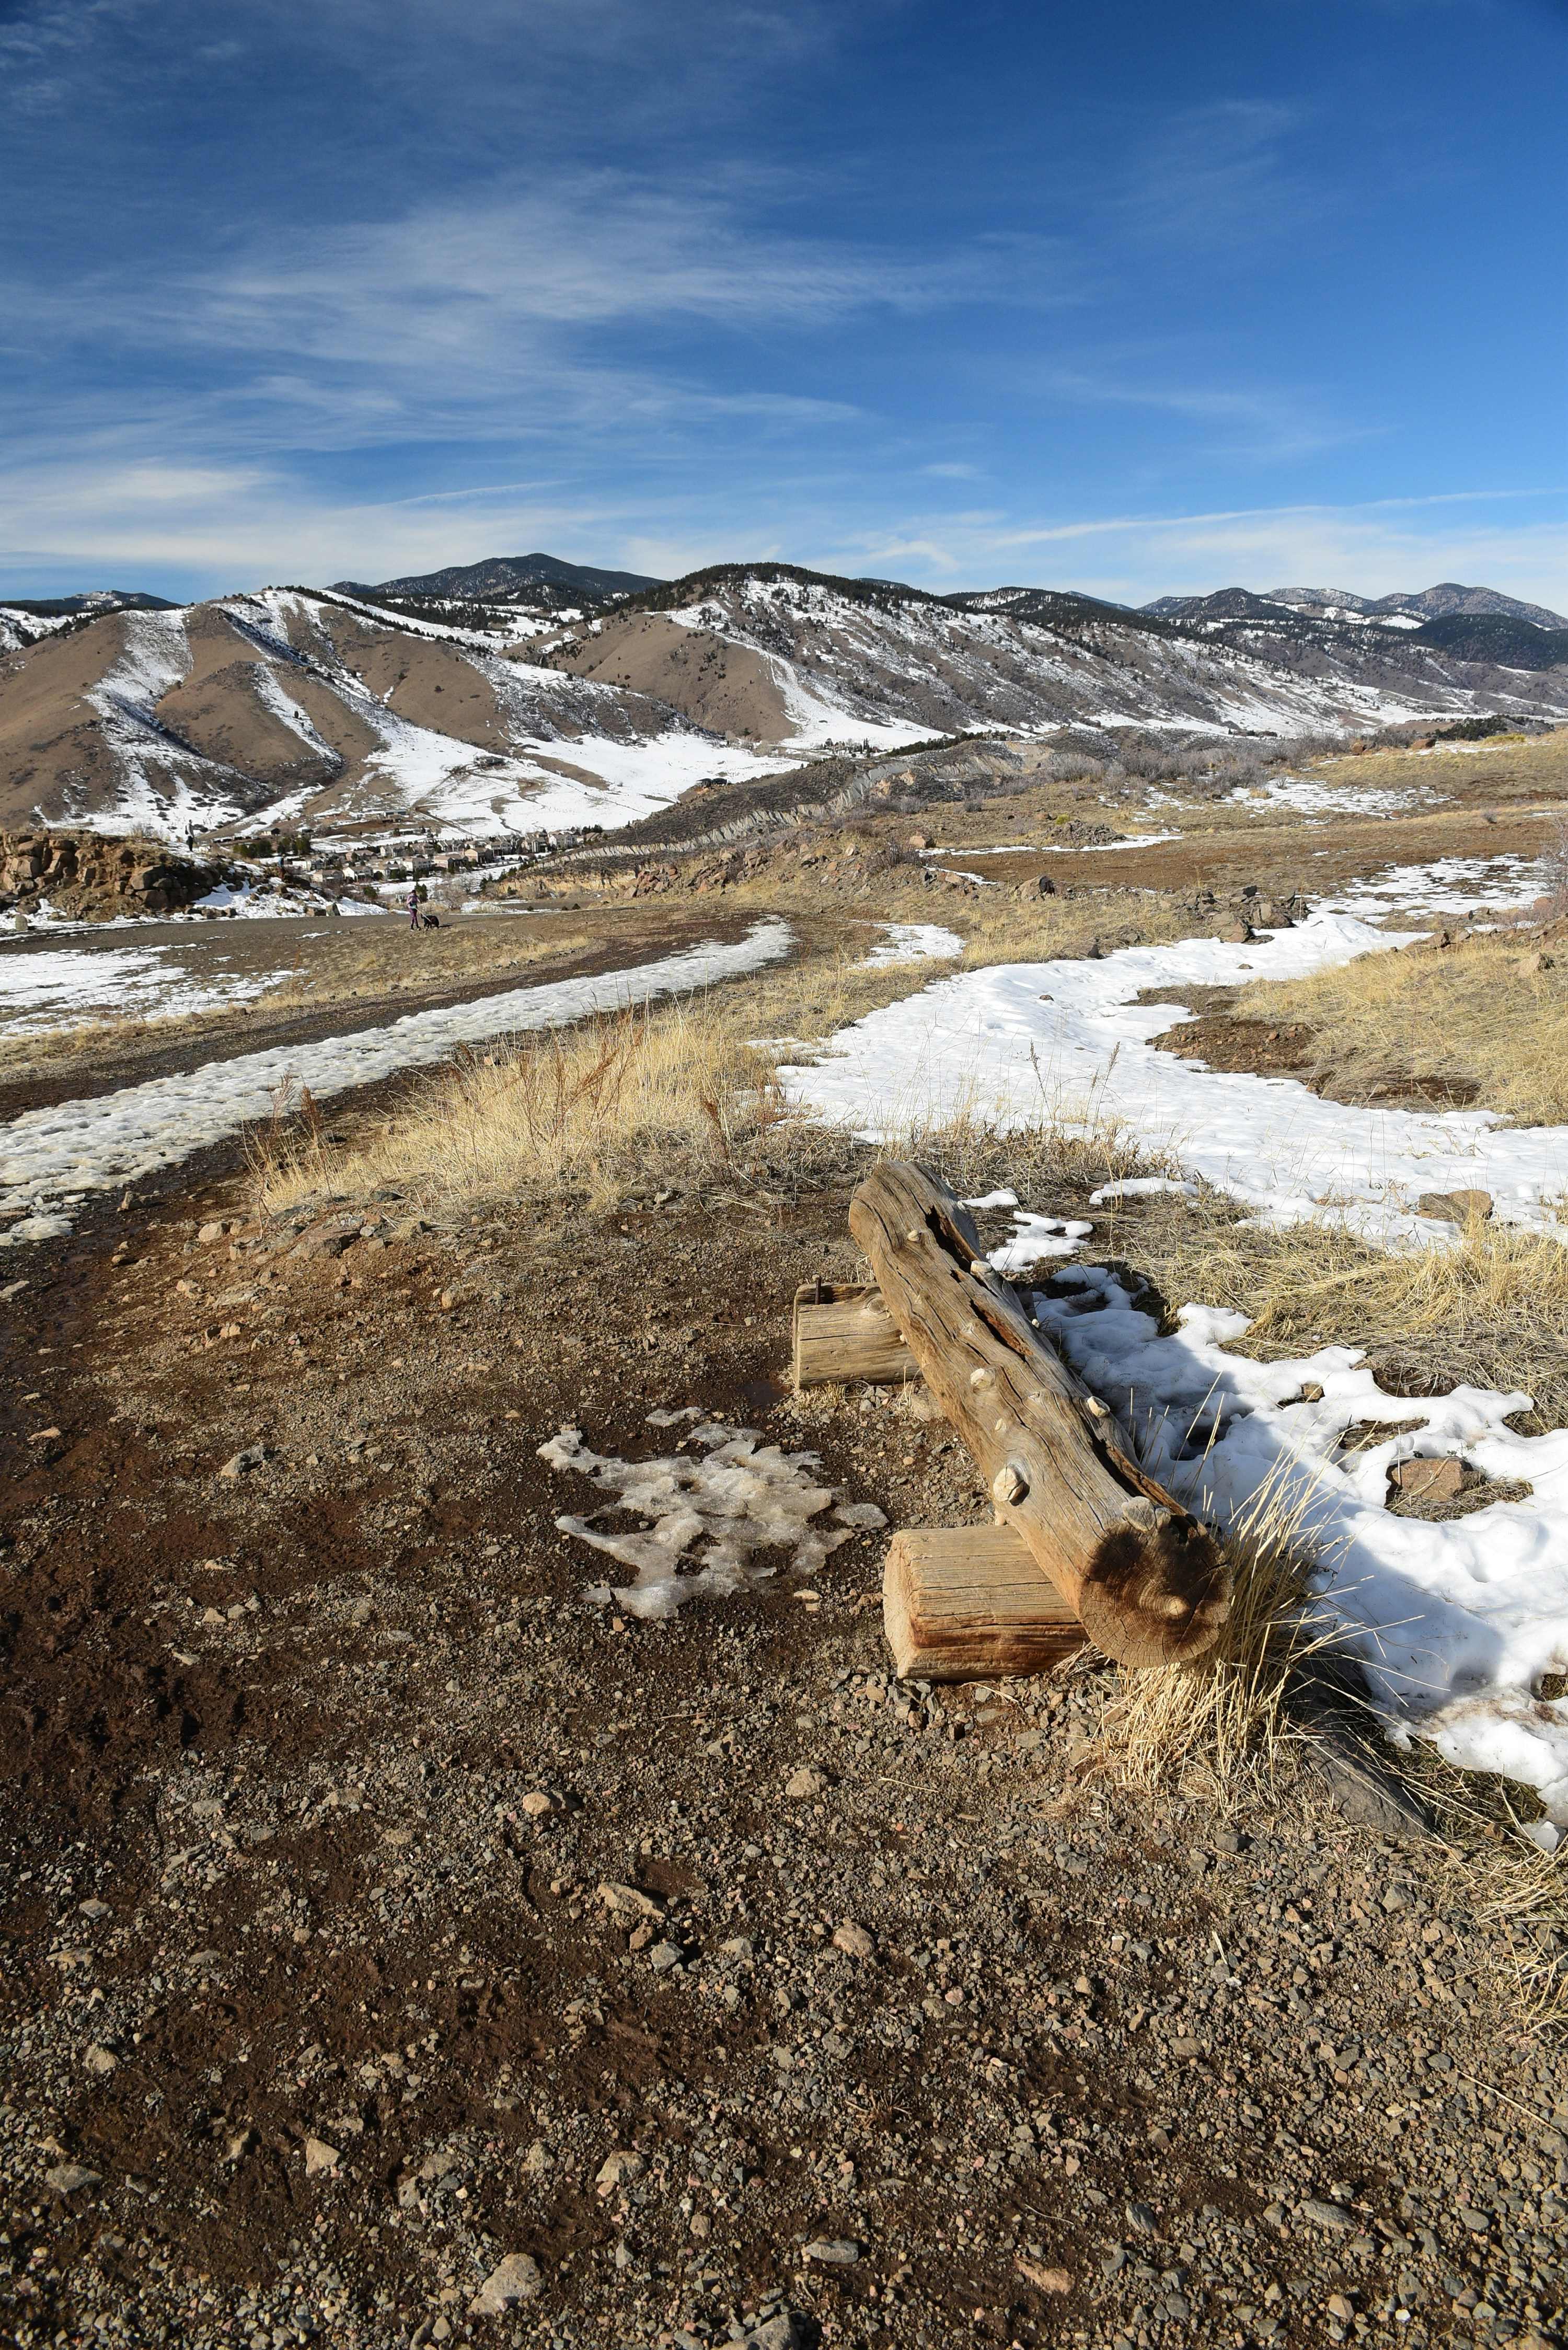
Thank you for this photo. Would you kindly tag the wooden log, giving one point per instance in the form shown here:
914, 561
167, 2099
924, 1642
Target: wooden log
843, 1331
969, 1603
1146, 1579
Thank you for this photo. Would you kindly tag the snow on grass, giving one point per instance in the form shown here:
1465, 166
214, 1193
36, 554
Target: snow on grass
56, 1154
53, 987
1455, 1621
1448, 885
1067, 1041
1098, 848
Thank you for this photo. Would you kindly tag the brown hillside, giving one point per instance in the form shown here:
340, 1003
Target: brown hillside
718, 684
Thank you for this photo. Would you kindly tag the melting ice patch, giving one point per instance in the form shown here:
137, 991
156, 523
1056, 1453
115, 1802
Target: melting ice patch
708, 1514
1455, 1621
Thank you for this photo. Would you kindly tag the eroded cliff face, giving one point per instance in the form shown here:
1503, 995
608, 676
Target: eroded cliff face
93, 877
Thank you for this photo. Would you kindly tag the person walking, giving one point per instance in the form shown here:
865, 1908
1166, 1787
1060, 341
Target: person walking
413, 909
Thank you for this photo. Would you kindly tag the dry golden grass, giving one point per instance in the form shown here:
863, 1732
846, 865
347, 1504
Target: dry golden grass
1467, 1015
998, 927
680, 1093
1220, 1726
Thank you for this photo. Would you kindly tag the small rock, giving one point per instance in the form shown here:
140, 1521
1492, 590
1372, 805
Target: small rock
517, 2279
1141, 2219
1528, 966
209, 1233
1311, 1392
236, 2145
1043, 2279
617, 2170
67, 2177
663, 1956
805, 1783
852, 1940
833, 2252
864, 1514
94, 1909
243, 1462
1228, 1839
536, 2161
1239, 934
1187, 2049
783, 2331
536, 1803
100, 2061
1337, 2306
1433, 1480
319, 2158
1328, 2216
626, 1901
1454, 1207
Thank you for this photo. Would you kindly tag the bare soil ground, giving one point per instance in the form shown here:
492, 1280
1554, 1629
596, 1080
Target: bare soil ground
1091, 2070
314, 2011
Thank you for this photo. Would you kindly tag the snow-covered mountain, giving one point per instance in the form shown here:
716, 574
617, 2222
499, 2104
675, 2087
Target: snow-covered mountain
1403, 609
317, 707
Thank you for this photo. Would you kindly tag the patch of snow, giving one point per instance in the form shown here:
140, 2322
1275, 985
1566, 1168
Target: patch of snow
1098, 848
53, 987
736, 1495
911, 942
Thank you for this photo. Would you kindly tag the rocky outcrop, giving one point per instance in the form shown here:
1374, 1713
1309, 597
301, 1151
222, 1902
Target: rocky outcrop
92, 876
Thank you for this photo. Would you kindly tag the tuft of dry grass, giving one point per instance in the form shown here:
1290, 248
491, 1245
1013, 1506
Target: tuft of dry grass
998, 927
1470, 1015
1219, 1726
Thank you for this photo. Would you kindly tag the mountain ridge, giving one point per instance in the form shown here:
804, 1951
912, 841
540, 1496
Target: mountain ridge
495, 578
315, 710
1445, 601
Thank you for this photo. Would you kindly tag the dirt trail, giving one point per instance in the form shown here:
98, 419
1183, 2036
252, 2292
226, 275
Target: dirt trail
105, 1069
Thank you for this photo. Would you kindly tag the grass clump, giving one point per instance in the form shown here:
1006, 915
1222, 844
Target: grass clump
1220, 1726
1471, 1020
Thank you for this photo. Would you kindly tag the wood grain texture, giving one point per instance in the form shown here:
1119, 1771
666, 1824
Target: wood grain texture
969, 1603
843, 1331
1146, 1579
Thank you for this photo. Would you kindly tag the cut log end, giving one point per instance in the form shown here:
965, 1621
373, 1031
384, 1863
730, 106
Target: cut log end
1156, 1596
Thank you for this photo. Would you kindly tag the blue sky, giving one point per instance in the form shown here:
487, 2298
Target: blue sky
1126, 298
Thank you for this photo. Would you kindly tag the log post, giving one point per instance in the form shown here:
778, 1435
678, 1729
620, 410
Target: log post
969, 1603
843, 1331
1144, 1578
